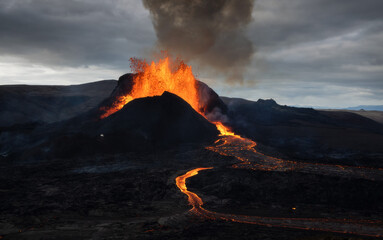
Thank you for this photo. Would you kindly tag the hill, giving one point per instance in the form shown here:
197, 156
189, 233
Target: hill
308, 134
367, 107
21, 104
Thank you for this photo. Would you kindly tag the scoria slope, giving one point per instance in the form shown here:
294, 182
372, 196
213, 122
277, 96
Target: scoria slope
145, 124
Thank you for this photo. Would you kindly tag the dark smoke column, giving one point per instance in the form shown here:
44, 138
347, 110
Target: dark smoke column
210, 32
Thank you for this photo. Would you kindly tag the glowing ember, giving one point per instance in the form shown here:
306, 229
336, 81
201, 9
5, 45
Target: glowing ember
156, 78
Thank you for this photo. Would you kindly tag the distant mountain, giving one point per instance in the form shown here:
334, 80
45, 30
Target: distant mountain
342, 136
46, 122
142, 125
367, 107
24, 104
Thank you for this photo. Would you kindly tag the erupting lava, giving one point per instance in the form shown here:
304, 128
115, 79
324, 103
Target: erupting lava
225, 131
156, 78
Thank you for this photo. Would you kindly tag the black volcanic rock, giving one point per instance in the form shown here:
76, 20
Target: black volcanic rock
125, 84
24, 104
124, 87
210, 100
308, 134
163, 120
144, 124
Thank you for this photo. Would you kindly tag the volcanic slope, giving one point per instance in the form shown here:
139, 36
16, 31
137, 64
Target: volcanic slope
308, 134
143, 125
162, 121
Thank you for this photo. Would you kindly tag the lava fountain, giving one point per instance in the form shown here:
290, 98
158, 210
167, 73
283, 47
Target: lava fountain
157, 77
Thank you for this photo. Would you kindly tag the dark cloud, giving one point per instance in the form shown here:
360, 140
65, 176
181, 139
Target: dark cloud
211, 33
281, 23
72, 32
303, 48
321, 43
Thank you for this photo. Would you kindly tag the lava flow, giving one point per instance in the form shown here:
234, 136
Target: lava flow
176, 77
193, 199
243, 150
360, 227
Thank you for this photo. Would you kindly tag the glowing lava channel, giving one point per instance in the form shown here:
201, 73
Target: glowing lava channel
360, 227
193, 198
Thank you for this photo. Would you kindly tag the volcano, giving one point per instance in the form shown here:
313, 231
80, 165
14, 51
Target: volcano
124, 157
163, 120
158, 107
144, 124
208, 99
165, 75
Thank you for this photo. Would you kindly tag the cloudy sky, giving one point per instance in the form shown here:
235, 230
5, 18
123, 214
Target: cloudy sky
326, 53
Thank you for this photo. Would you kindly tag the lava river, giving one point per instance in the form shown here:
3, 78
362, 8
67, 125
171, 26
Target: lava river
177, 77
243, 150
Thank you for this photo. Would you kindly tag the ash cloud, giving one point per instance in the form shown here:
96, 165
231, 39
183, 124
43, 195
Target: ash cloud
210, 33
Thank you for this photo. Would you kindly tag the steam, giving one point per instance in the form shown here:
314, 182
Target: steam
209, 32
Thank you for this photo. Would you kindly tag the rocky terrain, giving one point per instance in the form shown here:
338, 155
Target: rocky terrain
23, 104
307, 134
132, 196
67, 174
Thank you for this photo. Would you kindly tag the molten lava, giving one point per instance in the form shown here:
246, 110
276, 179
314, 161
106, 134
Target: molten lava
193, 199
363, 227
156, 78
225, 131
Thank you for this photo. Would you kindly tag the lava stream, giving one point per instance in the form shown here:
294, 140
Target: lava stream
193, 198
243, 150
359, 227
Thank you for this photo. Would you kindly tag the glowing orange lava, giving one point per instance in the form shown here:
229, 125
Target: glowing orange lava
193, 199
372, 228
224, 131
156, 78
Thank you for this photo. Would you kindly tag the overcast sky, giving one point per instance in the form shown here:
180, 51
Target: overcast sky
325, 53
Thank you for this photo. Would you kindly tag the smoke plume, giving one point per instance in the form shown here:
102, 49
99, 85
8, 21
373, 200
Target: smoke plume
209, 32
